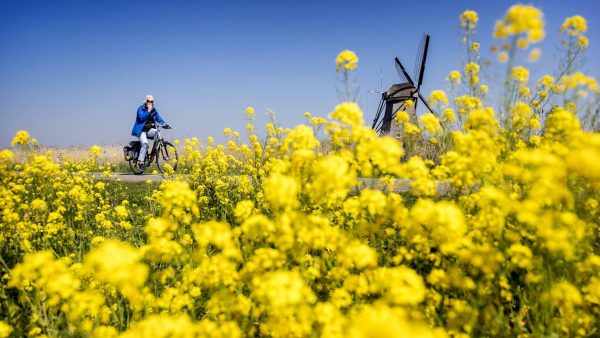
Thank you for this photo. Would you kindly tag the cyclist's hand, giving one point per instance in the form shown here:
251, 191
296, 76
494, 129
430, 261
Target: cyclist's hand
166, 126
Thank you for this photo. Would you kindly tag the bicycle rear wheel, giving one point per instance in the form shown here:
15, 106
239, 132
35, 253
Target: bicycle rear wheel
133, 165
167, 155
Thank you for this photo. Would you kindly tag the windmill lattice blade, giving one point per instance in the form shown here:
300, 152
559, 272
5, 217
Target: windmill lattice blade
378, 114
426, 104
402, 72
418, 57
423, 60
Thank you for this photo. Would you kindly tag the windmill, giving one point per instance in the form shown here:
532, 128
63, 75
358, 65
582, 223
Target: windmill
394, 99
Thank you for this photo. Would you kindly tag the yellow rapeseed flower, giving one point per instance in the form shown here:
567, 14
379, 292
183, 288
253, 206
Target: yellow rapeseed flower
332, 181
583, 42
95, 150
5, 330
574, 25
281, 191
579, 80
467, 103
250, 113
6, 156
346, 60
118, 264
472, 72
521, 19
520, 74
469, 18
437, 97
449, 115
402, 117
522, 43
348, 113
472, 69
21, 137
431, 123
454, 77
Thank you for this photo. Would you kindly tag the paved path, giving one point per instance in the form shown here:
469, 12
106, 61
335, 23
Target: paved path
402, 185
129, 177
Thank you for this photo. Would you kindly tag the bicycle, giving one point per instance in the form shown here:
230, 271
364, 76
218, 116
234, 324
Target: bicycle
162, 150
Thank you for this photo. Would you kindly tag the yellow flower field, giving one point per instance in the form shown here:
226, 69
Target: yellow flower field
276, 235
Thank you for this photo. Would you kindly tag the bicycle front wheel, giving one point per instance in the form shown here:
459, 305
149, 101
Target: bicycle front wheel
167, 157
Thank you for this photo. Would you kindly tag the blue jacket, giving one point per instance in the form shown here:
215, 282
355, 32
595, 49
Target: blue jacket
142, 116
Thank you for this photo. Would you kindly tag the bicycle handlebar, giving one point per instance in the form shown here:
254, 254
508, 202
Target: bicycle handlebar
165, 126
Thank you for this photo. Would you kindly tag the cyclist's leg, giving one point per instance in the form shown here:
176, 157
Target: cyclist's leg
144, 149
149, 135
152, 132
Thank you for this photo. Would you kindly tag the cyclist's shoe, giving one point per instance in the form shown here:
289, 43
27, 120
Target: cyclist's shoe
142, 165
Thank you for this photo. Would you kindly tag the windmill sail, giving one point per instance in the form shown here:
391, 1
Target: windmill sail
402, 73
423, 57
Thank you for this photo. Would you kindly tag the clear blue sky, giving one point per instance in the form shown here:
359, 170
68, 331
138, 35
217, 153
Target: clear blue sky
74, 72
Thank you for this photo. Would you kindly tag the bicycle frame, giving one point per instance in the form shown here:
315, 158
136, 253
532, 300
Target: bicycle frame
158, 140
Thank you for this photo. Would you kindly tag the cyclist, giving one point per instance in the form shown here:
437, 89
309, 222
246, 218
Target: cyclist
143, 128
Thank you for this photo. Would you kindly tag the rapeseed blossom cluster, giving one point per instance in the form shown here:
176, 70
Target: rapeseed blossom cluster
520, 20
454, 77
472, 72
469, 19
438, 96
520, 74
490, 228
346, 60
21, 138
95, 150
575, 26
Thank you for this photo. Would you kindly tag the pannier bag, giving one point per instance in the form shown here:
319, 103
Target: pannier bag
132, 150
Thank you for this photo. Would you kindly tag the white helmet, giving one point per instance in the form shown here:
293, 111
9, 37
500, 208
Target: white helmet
149, 98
